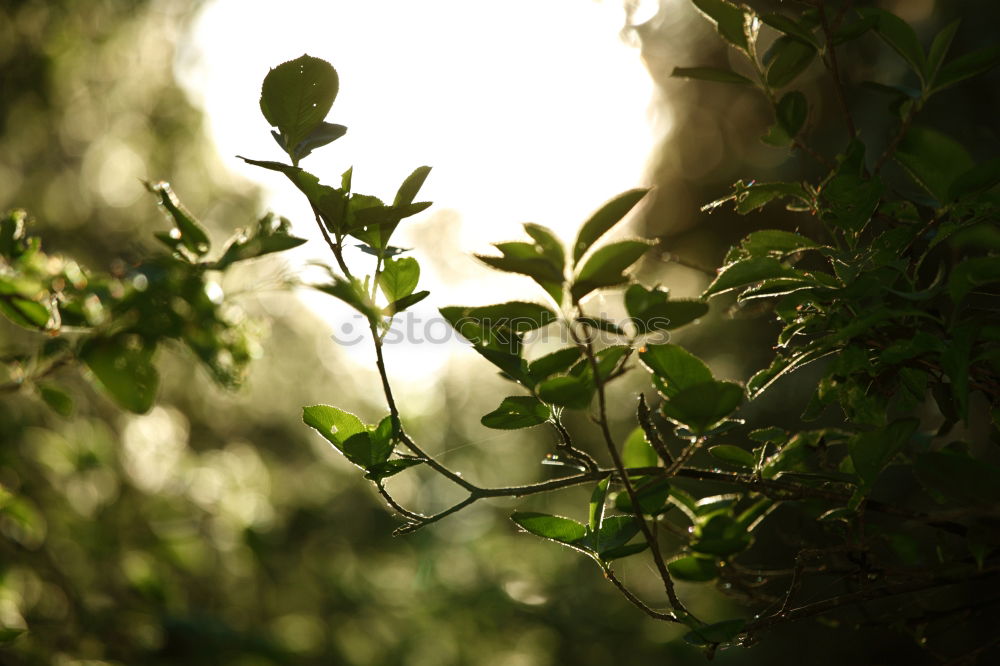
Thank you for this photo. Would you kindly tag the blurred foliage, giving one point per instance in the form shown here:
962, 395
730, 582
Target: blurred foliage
212, 529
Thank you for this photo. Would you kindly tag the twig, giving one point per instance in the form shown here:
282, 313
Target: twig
565, 445
835, 70
636, 601
652, 434
654, 546
861, 596
670, 257
409, 515
904, 127
397, 425
685, 455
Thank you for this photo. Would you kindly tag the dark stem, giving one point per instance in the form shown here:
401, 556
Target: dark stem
652, 434
904, 127
636, 601
654, 546
566, 446
831, 51
861, 596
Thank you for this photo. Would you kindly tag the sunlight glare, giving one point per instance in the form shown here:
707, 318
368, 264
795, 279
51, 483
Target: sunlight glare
528, 111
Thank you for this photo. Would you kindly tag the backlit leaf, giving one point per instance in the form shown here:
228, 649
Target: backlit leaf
604, 219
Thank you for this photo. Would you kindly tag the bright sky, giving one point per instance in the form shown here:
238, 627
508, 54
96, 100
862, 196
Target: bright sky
527, 110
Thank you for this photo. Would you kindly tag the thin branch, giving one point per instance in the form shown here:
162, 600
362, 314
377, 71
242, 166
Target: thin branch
831, 51
685, 455
904, 127
409, 515
427, 520
670, 257
652, 434
861, 596
636, 601
654, 546
565, 445
337, 249
804, 147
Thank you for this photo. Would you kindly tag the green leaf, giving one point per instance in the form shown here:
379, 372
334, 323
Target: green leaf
733, 455
790, 115
851, 200
548, 244
853, 29
719, 533
776, 243
702, 406
652, 492
335, 425
674, 368
411, 186
871, 451
790, 27
898, 34
713, 634
399, 278
296, 97
321, 135
606, 266
967, 66
979, 178
332, 204
557, 362
368, 447
781, 366
604, 219
939, 49
23, 311
747, 272
517, 412
384, 470
596, 510
693, 569
405, 302
790, 57
517, 316
638, 299
491, 337
365, 450
729, 20
556, 528
124, 368
618, 552
711, 74
567, 391
540, 270
271, 234
934, 160
755, 195
614, 533
637, 451
772, 434
57, 399
192, 235
353, 293
608, 360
